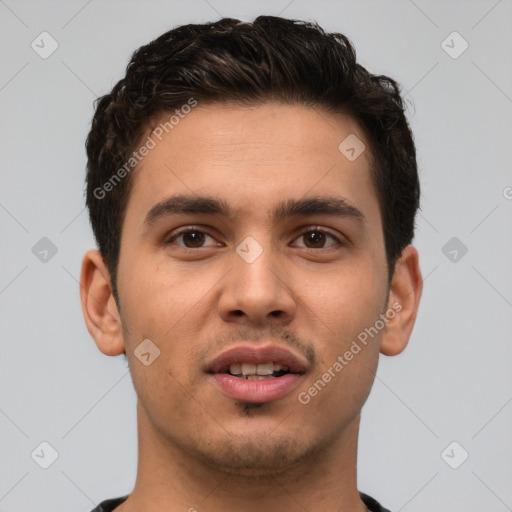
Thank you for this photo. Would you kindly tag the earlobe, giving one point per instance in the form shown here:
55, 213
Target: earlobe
404, 298
98, 305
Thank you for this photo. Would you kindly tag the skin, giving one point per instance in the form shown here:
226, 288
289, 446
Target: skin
197, 447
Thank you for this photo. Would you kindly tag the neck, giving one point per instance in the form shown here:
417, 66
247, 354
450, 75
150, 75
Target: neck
172, 480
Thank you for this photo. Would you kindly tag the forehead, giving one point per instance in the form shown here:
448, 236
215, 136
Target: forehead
265, 130
252, 157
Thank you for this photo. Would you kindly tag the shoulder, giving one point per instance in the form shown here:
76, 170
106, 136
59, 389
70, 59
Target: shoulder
372, 504
110, 505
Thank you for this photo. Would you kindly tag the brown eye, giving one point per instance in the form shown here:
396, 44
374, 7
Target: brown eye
191, 238
317, 238
194, 238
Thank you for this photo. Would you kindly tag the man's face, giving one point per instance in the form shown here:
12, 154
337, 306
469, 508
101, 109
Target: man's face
214, 297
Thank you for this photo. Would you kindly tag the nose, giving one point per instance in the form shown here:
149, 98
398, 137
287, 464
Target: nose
257, 292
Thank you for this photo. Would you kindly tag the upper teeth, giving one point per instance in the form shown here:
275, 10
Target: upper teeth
255, 369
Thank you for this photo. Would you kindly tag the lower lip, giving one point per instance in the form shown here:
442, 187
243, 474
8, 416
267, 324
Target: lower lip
256, 391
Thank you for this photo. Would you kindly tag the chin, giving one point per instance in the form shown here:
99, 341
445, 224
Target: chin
256, 453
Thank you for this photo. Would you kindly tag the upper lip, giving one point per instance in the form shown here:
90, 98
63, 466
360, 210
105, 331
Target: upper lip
256, 354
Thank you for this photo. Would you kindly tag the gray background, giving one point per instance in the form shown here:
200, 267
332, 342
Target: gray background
453, 382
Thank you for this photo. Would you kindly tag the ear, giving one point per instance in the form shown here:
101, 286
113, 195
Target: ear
98, 305
404, 298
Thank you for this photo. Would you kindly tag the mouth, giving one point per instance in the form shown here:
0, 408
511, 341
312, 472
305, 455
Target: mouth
256, 374
261, 371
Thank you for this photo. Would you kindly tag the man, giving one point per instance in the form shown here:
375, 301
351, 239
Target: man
252, 190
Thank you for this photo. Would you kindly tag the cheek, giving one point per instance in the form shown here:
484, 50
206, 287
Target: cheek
168, 306
158, 297
347, 357
344, 301
347, 302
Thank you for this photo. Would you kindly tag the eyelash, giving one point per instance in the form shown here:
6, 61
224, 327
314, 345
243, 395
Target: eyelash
313, 229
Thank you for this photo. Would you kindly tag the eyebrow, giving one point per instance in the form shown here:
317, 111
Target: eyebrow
201, 204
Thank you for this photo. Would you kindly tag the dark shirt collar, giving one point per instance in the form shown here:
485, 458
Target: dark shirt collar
110, 505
